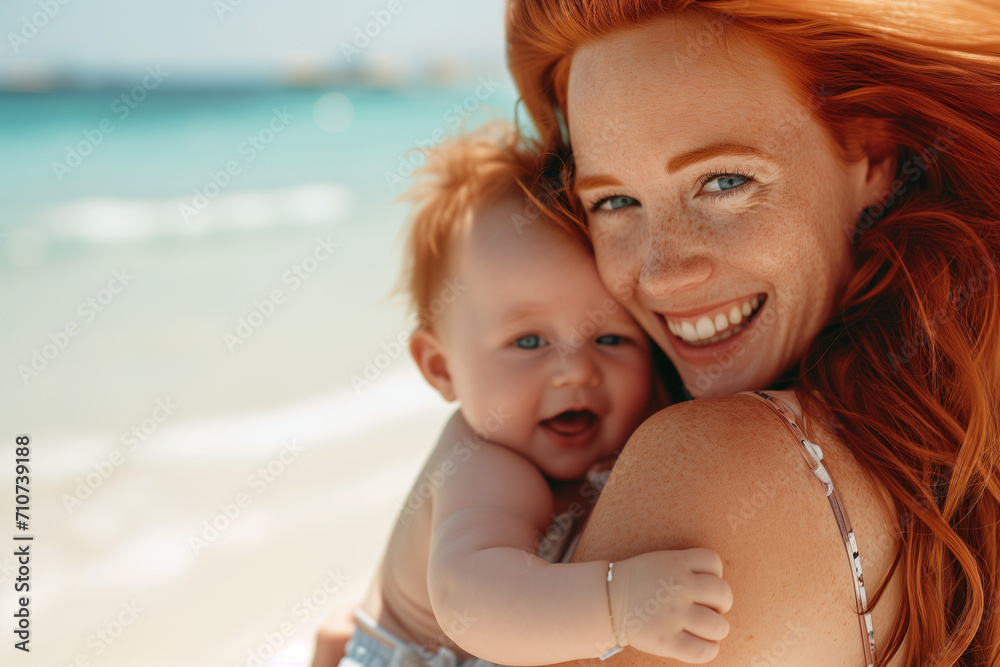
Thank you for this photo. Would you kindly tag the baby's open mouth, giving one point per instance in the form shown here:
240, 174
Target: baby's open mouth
571, 422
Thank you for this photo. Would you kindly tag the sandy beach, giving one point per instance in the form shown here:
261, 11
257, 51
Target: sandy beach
190, 498
221, 557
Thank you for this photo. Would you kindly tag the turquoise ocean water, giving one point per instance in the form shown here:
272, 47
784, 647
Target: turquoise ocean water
94, 182
167, 145
159, 363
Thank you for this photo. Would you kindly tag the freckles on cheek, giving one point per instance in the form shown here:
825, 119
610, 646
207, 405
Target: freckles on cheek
822, 238
615, 259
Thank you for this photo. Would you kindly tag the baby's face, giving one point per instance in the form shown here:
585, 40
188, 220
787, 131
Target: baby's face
541, 356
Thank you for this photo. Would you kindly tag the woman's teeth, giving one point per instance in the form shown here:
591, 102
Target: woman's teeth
709, 329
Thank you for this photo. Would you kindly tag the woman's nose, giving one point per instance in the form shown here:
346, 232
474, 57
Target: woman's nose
576, 368
661, 277
673, 264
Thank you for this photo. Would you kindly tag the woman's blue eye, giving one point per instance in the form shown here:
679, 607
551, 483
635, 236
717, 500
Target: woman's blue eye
530, 342
724, 184
729, 182
609, 339
616, 202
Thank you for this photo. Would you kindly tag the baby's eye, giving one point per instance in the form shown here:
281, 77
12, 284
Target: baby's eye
609, 339
615, 202
531, 342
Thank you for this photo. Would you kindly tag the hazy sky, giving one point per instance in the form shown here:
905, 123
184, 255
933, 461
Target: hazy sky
213, 38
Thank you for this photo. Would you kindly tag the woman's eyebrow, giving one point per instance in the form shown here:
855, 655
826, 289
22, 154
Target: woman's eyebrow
678, 162
595, 181
683, 160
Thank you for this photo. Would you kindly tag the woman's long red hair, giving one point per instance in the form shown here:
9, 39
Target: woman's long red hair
910, 364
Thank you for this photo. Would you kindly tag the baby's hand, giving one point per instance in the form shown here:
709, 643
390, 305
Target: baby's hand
670, 604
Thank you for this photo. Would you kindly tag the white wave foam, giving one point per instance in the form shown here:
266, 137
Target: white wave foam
312, 423
106, 220
322, 421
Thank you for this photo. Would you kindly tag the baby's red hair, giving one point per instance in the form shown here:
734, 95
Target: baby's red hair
461, 177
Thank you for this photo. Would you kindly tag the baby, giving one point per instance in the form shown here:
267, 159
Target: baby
552, 377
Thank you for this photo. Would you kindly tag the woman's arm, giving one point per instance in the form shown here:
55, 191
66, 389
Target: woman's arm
721, 474
499, 601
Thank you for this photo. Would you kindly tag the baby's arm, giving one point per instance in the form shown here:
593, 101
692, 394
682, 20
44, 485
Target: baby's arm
500, 602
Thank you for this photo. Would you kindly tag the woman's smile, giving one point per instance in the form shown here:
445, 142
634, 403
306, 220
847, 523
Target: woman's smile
705, 338
715, 324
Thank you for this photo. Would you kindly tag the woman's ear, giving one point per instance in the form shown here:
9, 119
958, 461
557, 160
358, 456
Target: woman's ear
880, 177
877, 168
428, 353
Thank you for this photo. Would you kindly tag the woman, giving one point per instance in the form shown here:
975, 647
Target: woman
805, 198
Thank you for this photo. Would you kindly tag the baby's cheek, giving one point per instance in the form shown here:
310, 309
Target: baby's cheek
506, 413
632, 391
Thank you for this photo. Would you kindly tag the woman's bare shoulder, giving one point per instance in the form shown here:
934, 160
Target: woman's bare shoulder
711, 444
725, 474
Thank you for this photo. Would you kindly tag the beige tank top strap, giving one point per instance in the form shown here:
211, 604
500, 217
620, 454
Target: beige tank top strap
813, 455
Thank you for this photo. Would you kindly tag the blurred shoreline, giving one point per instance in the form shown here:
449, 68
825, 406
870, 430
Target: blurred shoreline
240, 538
374, 73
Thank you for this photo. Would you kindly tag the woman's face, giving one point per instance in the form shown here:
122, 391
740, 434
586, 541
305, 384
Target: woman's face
720, 213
